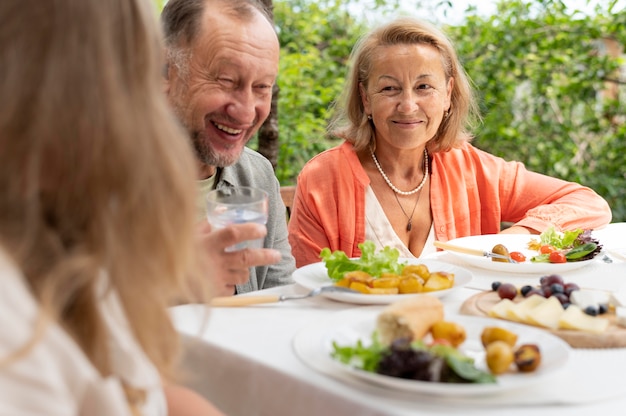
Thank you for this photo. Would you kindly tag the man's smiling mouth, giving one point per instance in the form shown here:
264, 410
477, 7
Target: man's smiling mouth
227, 129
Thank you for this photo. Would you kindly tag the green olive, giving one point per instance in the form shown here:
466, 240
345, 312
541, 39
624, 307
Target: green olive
500, 249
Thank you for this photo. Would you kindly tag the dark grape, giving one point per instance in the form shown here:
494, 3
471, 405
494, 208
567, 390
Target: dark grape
570, 287
535, 291
547, 291
551, 279
507, 291
603, 308
591, 310
495, 285
556, 288
562, 298
525, 289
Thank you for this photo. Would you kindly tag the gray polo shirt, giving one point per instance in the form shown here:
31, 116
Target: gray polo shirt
253, 169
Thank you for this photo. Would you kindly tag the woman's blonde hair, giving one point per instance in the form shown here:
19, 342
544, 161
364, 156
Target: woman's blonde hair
349, 119
96, 175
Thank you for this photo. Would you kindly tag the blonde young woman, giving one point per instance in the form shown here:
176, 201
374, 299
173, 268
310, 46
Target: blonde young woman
406, 173
97, 213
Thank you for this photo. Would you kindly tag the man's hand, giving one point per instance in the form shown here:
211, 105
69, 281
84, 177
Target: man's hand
228, 269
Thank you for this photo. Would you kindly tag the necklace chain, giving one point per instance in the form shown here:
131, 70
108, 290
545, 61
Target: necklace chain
395, 188
409, 224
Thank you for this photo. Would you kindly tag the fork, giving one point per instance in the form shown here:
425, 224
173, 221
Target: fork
257, 299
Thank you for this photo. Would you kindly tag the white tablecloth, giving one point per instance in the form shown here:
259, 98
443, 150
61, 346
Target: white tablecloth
243, 360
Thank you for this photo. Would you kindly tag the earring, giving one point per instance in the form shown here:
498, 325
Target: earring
445, 114
369, 116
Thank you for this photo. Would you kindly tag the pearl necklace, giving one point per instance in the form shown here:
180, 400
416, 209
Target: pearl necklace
392, 186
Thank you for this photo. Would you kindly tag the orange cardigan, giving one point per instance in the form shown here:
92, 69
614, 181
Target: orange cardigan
471, 193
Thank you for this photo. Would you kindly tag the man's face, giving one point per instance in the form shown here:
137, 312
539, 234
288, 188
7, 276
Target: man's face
222, 93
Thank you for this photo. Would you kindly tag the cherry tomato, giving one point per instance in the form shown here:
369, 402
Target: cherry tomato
517, 256
547, 249
557, 257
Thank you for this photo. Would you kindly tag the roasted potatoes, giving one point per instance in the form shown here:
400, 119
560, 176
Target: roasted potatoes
527, 357
491, 334
415, 278
450, 331
411, 284
439, 281
419, 269
386, 281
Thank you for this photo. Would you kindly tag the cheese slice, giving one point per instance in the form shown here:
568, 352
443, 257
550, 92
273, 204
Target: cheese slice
501, 309
575, 318
618, 298
546, 314
519, 312
620, 315
585, 298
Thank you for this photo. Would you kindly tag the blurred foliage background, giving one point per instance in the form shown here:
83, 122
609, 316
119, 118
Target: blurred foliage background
551, 81
552, 90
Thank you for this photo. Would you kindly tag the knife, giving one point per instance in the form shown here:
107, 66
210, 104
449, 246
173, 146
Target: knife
473, 251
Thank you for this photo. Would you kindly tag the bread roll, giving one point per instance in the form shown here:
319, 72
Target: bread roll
409, 318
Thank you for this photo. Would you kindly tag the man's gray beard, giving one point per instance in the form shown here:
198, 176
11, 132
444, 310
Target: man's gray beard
207, 156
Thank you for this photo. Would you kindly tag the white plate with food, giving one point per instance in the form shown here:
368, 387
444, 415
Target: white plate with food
315, 275
314, 346
513, 242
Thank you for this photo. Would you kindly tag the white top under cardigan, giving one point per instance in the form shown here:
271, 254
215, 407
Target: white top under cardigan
379, 230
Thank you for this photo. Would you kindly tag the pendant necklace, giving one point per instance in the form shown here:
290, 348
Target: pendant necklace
409, 225
397, 191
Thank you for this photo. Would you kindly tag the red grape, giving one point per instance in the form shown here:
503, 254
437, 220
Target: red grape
551, 279
570, 287
507, 291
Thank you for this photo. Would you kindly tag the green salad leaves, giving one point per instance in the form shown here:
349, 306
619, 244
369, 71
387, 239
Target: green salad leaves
371, 262
459, 368
563, 240
576, 245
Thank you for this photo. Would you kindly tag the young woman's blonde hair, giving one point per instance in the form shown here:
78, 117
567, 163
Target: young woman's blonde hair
96, 177
349, 119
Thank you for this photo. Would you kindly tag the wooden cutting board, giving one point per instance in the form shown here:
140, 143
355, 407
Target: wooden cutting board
614, 337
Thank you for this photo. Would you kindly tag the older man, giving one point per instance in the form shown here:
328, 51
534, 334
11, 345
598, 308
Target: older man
222, 61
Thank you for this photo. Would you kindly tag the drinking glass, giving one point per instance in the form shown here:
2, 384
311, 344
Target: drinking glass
237, 205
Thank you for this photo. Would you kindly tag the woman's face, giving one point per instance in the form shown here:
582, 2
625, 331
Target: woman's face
407, 94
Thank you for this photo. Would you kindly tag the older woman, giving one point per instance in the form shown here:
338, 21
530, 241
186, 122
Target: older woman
406, 173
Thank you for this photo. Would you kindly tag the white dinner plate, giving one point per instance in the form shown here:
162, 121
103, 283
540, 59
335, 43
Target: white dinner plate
313, 345
618, 253
513, 242
315, 275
